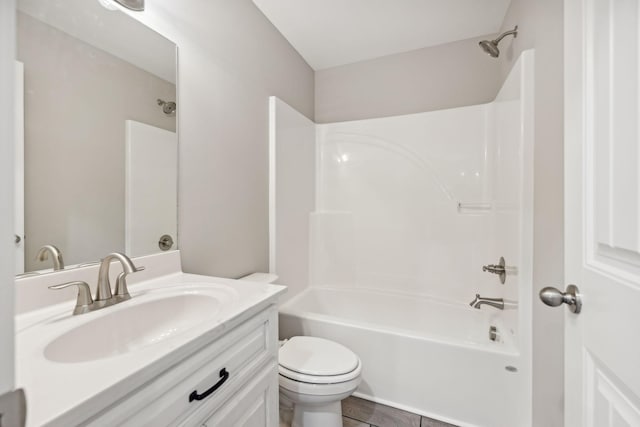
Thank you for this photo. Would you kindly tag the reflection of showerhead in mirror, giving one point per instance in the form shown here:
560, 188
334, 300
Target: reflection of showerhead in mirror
168, 107
491, 46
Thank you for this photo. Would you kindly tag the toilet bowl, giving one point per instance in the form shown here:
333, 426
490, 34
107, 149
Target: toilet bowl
315, 374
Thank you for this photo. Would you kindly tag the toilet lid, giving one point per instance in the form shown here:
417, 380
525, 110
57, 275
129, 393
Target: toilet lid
317, 357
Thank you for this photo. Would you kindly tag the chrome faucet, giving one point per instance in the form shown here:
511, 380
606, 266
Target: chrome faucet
493, 302
103, 290
56, 256
104, 296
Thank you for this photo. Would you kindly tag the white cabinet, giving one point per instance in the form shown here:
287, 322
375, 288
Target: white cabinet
255, 405
231, 381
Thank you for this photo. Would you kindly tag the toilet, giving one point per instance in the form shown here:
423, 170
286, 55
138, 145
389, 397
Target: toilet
315, 374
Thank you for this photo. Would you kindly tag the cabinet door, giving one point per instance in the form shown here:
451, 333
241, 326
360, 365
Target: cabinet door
256, 405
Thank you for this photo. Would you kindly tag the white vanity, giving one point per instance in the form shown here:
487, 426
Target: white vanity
185, 350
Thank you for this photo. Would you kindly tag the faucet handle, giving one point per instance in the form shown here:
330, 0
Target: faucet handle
499, 269
121, 291
84, 299
474, 302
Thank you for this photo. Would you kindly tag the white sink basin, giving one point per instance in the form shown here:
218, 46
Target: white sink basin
129, 327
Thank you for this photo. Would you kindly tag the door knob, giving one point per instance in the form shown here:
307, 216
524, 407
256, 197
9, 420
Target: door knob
554, 297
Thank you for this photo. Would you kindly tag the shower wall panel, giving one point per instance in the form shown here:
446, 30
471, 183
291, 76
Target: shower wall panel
402, 179
292, 154
512, 184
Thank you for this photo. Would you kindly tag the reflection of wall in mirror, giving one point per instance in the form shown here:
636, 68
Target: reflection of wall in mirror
77, 98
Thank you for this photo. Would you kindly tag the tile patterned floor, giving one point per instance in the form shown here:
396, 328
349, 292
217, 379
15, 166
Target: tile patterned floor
364, 413
350, 422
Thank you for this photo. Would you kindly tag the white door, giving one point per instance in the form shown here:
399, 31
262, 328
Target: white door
602, 212
18, 222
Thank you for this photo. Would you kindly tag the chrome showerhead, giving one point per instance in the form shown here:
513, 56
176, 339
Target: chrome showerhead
491, 46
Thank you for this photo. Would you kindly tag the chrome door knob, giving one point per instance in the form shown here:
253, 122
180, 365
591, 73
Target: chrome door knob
554, 297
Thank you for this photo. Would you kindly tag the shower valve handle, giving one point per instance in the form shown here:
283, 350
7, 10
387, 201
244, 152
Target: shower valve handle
493, 268
498, 269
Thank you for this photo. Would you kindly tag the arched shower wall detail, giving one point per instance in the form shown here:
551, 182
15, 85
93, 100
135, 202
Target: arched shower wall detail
401, 179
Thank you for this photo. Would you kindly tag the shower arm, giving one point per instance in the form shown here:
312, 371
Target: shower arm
505, 34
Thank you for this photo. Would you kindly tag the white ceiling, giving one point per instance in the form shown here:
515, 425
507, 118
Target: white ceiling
328, 33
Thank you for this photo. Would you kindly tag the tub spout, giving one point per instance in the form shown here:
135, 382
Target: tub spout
493, 302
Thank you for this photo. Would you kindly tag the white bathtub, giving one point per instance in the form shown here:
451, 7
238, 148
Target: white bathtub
425, 356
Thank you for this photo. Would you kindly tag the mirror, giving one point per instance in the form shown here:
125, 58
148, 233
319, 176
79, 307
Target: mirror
99, 165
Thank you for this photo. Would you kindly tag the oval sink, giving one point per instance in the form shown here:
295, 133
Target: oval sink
132, 327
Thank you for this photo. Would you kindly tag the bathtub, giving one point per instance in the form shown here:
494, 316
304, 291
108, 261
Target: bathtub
430, 357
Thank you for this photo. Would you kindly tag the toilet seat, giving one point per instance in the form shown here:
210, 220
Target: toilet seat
320, 379
315, 360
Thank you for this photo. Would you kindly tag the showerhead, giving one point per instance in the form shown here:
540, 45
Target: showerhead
491, 46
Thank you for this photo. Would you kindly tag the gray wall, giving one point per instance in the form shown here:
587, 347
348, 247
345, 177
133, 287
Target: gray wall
541, 27
231, 59
77, 98
446, 76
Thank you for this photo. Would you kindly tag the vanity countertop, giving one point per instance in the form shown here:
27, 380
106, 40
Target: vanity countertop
62, 394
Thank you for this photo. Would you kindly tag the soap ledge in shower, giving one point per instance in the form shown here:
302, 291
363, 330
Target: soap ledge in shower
474, 207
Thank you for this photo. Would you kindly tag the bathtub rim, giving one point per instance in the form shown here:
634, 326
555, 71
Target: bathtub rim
507, 347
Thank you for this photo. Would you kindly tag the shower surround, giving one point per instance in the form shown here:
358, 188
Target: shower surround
381, 228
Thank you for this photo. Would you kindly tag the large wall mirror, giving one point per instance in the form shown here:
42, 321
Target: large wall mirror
97, 162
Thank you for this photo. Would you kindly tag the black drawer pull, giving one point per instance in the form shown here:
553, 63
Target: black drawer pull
224, 375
